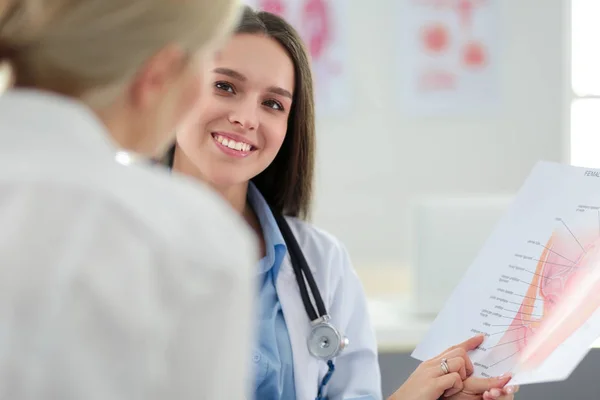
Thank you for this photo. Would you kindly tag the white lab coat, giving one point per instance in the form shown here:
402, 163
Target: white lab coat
116, 282
357, 374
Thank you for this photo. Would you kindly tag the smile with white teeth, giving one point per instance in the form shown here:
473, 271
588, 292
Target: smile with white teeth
232, 144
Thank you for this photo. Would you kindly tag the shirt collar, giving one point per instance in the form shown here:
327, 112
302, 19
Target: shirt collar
274, 242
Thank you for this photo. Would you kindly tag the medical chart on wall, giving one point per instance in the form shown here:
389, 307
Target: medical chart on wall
449, 56
534, 288
321, 26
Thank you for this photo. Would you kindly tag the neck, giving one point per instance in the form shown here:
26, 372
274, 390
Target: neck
235, 195
123, 134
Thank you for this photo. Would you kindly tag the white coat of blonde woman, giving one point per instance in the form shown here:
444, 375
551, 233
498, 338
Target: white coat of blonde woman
117, 281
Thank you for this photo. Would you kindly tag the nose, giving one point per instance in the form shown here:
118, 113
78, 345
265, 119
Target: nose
245, 115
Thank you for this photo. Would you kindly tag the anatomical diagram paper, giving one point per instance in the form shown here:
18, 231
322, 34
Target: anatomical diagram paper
533, 290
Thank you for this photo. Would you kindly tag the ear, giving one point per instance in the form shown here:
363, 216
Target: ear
157, 75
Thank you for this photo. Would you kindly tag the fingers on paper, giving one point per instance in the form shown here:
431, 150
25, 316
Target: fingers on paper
466, 346
471, 343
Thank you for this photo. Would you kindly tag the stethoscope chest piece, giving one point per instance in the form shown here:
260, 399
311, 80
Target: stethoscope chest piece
325, 341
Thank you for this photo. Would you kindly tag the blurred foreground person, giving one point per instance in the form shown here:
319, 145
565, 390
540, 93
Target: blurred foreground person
117, 281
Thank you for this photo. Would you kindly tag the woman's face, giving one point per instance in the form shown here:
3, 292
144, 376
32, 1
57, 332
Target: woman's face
243, 118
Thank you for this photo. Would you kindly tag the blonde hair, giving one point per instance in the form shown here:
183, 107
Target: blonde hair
91, 48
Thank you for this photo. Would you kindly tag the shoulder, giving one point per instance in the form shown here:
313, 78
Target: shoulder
310, 236
326, 254
185, 215
168, 213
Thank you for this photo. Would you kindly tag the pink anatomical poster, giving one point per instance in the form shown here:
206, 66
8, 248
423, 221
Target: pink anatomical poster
449, 56
533, 290
320, 23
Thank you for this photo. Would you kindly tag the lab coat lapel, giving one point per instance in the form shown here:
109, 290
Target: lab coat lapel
306, 368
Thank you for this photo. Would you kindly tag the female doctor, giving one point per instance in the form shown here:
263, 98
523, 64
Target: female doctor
254, 143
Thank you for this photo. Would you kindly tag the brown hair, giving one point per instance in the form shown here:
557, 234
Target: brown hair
287, 182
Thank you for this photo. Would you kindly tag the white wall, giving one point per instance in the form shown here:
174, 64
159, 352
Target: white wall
375, 158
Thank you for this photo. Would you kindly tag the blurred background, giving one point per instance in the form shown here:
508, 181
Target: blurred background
431, 114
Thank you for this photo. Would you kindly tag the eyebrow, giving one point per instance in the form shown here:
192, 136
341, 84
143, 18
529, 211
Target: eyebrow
240, 77
230, 73
280, 91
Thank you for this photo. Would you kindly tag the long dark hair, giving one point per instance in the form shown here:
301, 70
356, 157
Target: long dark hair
287, 183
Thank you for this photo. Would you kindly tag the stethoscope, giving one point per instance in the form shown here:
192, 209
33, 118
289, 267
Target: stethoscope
325, 341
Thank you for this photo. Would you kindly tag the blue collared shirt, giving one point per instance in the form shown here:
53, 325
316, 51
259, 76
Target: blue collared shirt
272, 359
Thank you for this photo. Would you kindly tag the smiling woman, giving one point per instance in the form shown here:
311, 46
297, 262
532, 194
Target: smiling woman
254, 143
248, 109
271, 104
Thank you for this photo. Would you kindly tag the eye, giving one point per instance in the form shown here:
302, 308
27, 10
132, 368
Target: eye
225, 87
275, 105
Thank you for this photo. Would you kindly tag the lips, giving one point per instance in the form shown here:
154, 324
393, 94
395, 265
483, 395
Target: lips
233, 145
230, 142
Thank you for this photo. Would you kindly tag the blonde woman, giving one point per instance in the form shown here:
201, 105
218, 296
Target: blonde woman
116, 281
